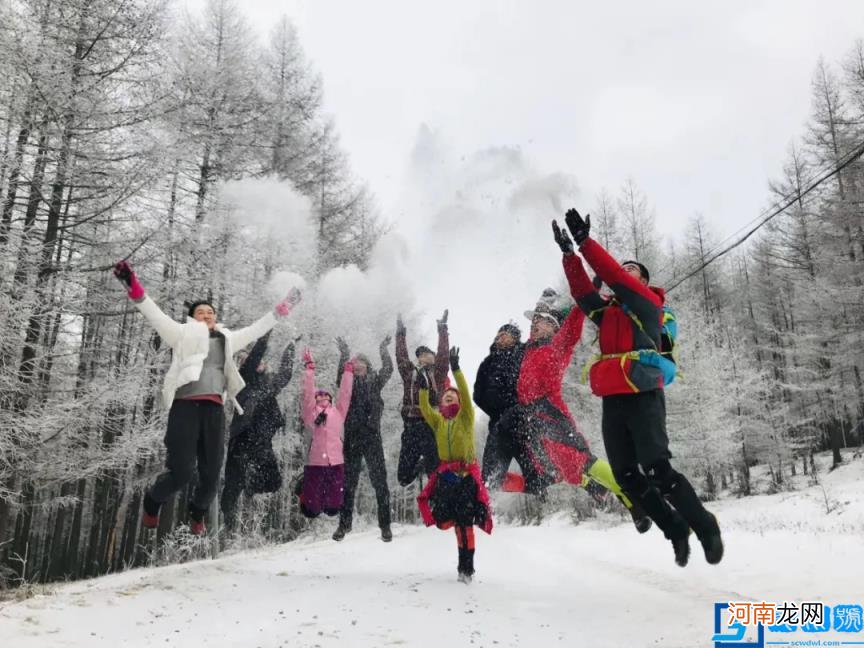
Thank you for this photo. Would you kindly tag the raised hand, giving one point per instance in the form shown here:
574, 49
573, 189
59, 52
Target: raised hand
124, 272
579, 228
400, 326
454, 358
386, 342
343, 346
562, 238
349, 366
442, 323
284, 307
307, 359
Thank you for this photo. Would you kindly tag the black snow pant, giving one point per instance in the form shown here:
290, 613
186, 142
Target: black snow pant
501, 449
360, 445
196, 434
251, 466
545, 443
634, 433
419, 452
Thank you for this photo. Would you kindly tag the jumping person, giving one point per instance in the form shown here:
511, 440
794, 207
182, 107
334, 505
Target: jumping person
455, 496
201, 374
418, 452
251, 464
324, 473
630, 381
495, 394
363, 436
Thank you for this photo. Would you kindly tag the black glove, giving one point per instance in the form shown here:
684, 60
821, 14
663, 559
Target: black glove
343, 347
562, 238
454, 358
580, 229
422, 379
400, 326
123, 271
442, 323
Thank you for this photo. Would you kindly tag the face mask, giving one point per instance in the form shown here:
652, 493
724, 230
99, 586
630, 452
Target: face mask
449, 411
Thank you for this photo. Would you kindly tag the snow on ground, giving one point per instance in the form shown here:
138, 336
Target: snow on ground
597, 584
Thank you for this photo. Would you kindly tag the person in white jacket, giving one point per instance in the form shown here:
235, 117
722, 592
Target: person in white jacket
202, 374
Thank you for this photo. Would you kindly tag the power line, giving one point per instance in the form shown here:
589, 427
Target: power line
850, 158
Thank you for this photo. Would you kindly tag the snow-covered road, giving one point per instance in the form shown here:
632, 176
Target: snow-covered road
592, 585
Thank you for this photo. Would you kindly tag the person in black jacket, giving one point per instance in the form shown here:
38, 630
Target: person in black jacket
495, 394
251, 465
363, 436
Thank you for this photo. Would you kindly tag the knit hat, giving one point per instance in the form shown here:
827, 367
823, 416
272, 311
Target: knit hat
642, 269
423, 349
512, 329
548, 308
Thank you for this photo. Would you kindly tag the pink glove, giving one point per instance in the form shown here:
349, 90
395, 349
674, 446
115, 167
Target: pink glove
283, 308
307, 359
124, 272
349, 366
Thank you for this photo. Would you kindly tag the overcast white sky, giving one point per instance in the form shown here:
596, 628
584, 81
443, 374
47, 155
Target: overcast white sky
698, 101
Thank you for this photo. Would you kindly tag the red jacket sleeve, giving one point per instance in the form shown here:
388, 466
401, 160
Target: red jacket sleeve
570, 332
611, 272
580, 282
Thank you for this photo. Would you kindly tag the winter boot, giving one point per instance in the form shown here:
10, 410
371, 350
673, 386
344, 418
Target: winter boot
712, 542
466, 565
340, 532
640, 520
386, 533
671, 523
150, 519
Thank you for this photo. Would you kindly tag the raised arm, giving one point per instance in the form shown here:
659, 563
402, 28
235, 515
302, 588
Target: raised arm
442, 357
308, 404
386, 364
403, 362
466, 407
256, 355
582, 289
430, 414
571, 330
286, 369
252, 332
346, 386
168, 329
344, 354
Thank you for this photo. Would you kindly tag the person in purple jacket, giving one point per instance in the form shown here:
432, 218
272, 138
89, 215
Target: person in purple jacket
324, 473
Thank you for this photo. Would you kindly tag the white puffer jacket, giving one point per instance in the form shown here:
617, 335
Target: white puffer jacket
190, 343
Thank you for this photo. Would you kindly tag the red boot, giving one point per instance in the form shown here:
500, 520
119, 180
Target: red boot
197, 527
150, 521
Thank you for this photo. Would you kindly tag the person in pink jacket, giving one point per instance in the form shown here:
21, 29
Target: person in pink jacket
324, 474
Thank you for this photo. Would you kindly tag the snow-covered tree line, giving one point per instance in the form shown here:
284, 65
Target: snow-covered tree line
118, 123
128, 129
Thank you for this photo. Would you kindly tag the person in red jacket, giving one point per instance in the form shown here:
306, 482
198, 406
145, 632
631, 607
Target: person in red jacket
631, 385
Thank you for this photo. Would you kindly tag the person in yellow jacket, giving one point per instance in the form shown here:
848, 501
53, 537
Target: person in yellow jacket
455, 496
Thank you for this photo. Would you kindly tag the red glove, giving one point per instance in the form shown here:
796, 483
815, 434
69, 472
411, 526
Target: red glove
307, 359
283, 308
124, 272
